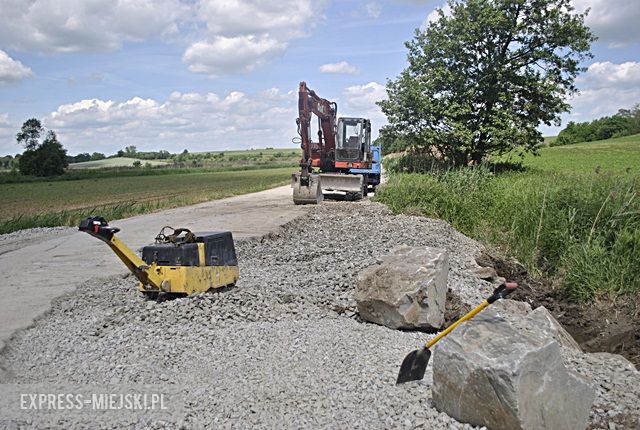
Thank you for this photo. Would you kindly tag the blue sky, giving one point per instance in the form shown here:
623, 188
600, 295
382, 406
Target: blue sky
214, 74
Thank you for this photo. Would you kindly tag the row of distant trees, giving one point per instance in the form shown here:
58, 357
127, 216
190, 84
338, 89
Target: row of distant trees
85, 156
626, 122
47, 157
132, 152
9, 162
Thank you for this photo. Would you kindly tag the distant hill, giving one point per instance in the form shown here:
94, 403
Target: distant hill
113, 162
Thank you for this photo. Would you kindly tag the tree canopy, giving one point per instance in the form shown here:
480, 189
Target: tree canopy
480, 81
40, 159
30, 133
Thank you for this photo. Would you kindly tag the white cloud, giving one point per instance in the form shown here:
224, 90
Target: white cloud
81, 26
8, 132
11, 70
341, 67
615, 22
593, 103
282, 19
360, 101
197, 121
609, 75
435, 14
240, 35
373, 9
365, 96
4, 120
605, 88
226, 55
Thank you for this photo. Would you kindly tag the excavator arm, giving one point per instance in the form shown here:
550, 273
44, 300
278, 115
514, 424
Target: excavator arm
320, 154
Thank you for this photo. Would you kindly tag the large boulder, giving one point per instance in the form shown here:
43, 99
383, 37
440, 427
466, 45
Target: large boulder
540, 317
508, 374
407, 289
545, 321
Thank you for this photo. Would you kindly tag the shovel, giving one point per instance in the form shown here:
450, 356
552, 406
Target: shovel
415, 364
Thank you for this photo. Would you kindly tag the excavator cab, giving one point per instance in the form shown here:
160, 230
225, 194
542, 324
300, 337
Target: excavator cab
354, 140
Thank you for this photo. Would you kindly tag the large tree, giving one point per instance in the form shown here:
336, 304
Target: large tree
29, 134
482, 79
48, 158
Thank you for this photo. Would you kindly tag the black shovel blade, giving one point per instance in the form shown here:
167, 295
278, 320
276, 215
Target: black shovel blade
414, 365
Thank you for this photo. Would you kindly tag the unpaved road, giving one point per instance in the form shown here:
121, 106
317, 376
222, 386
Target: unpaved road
39, 267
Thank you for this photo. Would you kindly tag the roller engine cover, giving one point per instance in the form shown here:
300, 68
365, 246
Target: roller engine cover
219, 250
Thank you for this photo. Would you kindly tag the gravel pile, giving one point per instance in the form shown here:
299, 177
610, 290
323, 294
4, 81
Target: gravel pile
283, 348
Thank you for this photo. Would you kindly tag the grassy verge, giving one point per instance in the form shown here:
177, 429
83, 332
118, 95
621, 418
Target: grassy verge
583, 229
48, 204
561, 217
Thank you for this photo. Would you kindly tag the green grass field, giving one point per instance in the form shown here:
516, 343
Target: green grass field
562, 217
41, 204
613, 155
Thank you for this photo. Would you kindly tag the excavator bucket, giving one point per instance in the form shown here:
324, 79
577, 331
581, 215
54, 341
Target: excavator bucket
306, 190
353, 185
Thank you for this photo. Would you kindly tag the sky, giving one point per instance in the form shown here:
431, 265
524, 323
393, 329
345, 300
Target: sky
208, 75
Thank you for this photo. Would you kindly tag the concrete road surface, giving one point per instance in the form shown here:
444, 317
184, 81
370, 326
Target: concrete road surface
37, 269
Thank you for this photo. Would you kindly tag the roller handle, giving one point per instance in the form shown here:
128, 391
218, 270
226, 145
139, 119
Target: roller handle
98, 227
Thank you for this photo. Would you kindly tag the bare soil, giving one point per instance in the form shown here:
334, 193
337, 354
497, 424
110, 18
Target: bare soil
455, 308
600, 325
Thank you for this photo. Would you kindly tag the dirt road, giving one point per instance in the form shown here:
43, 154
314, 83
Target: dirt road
39, 267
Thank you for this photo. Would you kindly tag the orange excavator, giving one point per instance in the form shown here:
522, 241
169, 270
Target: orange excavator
340, 159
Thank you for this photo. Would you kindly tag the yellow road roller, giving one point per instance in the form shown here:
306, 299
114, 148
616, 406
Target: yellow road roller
179, 263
